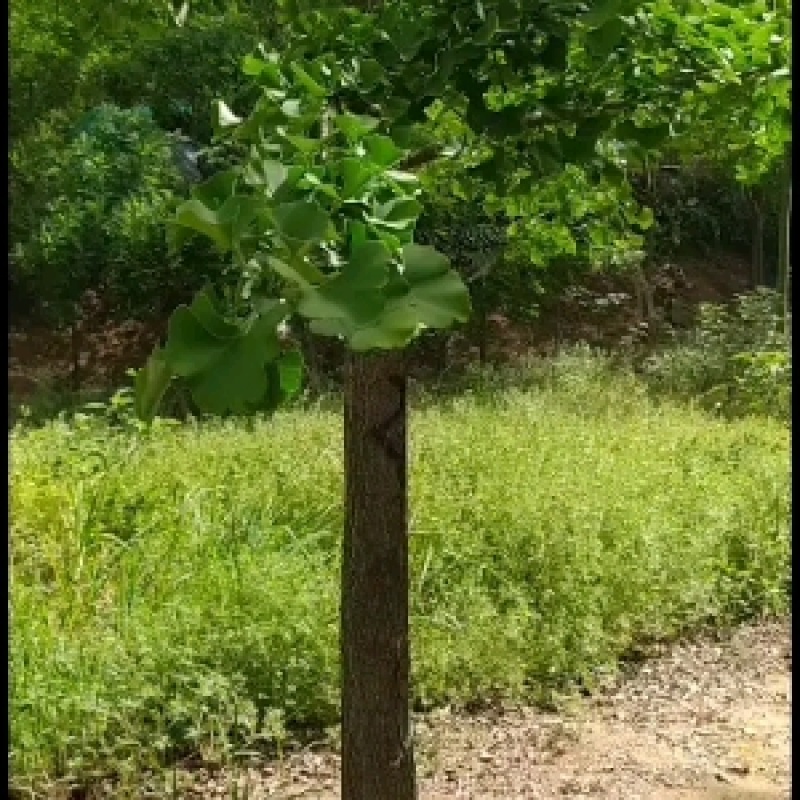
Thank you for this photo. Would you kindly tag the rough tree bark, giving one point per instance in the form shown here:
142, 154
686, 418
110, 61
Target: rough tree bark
783, 283
757, 258
377, 757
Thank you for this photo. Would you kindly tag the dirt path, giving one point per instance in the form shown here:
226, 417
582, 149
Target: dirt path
704, 720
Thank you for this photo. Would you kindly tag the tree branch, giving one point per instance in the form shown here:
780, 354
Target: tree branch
421, 158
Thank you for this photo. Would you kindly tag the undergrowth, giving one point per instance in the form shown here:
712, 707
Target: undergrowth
175, 592
735, 361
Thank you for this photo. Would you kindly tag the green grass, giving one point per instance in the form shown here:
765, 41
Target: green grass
177, 592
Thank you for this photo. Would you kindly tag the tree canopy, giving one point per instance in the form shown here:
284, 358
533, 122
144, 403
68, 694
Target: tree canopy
511, 94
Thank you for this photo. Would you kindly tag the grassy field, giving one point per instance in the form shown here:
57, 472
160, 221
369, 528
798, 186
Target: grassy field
177, 591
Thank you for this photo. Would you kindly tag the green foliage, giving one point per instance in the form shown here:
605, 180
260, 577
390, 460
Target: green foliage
320, 204
741, 118
515, 248
320, 179
175, 589
737, 360
165, 73
70, 57
701, 80
507, 93
54, 44
75, 54
100, 224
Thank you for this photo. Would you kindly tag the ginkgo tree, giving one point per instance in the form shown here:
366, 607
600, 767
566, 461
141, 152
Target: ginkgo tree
731, 65
320, 204
323, 203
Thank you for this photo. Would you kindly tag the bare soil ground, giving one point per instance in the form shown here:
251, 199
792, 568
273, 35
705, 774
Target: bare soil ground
602, 311
707, 719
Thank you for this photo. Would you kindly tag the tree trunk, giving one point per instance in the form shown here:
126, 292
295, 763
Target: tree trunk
784, 231
787, 272
313, 370
75, 355
377, 756
757, 264
483, 335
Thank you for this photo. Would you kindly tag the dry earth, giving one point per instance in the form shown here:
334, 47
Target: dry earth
101, 350
707, 719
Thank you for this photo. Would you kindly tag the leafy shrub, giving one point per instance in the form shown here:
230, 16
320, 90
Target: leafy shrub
737, 359
182, 70
110, 187
177, 591
31, 188
45, 68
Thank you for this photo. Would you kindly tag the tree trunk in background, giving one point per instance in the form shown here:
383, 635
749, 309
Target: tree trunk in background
784, 232
483, 334
757, 264
75, 354
377, 757
787, 273
314, 370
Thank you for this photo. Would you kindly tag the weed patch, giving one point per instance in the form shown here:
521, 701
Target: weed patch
176, 592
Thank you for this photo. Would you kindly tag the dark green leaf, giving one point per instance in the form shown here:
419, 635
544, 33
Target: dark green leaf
200, 218
355, 176
215, 191
223, 361
371, 73
554, 55
290, 368
303, 221
191, 348
601, 41
338, 299
367, 266
267, 173
399, 211
439, 301
150, 384
206, 309
237, 379
422, 262
437, 293
334, 327
600, 12
355, 127
648, 137
303, 143
307, 82
382, 150
486, 32
407, 37
395, 329
297, 269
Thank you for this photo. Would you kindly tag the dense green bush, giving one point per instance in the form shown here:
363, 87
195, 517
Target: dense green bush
100, 225
736, 360
65, 237
177, 591
179, 73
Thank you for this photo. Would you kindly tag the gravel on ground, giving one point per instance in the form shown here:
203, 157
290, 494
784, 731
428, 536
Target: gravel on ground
704, 719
